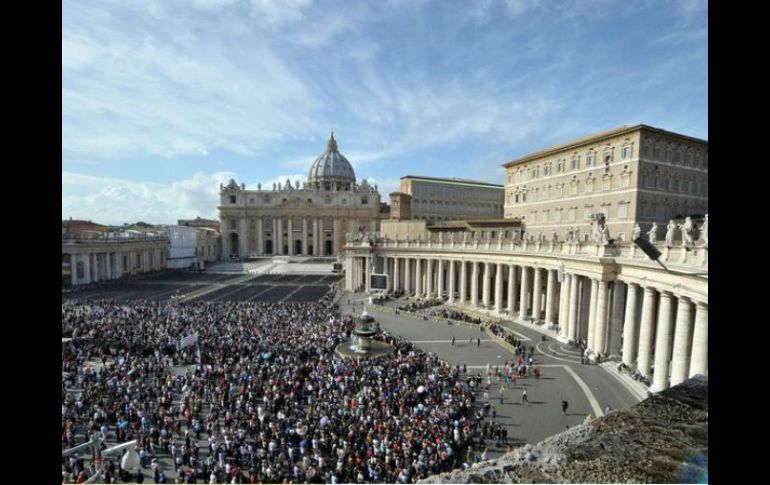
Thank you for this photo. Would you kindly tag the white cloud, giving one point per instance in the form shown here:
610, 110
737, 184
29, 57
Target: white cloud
115, 201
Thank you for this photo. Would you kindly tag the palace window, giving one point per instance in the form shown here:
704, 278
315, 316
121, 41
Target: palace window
572, 214
575, 162
232, 199
232, 223
251, 200
266, 200
607, 182
557, 215
575, 187
625, 153
623, 210
364, 200
590, 157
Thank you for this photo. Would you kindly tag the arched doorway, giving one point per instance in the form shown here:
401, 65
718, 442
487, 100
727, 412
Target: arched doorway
269, 246
234, 245
328, 251
297, 247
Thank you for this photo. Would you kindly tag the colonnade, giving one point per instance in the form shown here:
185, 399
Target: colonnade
653, 327
109, 264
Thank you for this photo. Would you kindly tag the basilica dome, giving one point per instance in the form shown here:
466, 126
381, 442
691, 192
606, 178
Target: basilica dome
331, 170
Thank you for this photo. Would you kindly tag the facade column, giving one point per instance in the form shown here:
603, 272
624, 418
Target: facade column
418, 287
290, 235
485, 290
537, 294
74, 269
315, 237
550, 296
616, 319
499, 288
600, 332
304, 237
243, 247
429, 278
646, 330
523, 297
680, 362
440, 278
408, 276
452, 265
95, 267
108, 266
367, 275
512, 289
699, 361
663, 342
463, 282
564, 305
86, 267
572, 329
260, 238
395, 284
279, 236
629, 326
475, 284
591, 340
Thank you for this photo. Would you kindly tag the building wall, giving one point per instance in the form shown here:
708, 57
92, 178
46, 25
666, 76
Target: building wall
610, 174
452, 200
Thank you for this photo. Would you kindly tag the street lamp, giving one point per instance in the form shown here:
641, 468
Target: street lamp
653, 253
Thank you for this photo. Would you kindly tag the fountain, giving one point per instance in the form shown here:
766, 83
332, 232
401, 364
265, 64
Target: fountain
362, 346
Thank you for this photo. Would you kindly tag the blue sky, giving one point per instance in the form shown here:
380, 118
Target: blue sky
164, 99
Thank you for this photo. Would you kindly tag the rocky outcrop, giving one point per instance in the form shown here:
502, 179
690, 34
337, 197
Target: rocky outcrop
663, 439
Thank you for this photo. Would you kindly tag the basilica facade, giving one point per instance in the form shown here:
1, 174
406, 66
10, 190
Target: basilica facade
311, 218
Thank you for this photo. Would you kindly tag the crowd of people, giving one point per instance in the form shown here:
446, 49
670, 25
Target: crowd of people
263, 397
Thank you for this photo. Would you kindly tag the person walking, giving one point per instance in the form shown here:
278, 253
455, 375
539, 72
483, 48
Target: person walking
453, 341
502, 390
478, 342
564, 406
524, 399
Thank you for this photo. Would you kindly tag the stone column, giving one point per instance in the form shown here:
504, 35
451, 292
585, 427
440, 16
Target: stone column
537, 293
95, 267
524, 295
108, 266
86, 268
440, 278
475, 284
367, 274
616, 319
304, 238
699, 362
407, 275
499, 288
512, 287
486, 280
629, 326
395, 285
429, 278
680, 363
243, 247
564, 305
573, 308
463, 282
592, 313
645, 331
550, 296
290, 235
663, 343
600, 332
418, 287
451, 291
74, 269
260, 237
279, 236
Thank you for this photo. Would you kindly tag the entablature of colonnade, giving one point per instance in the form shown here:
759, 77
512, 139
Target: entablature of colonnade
694, 287
115, 245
